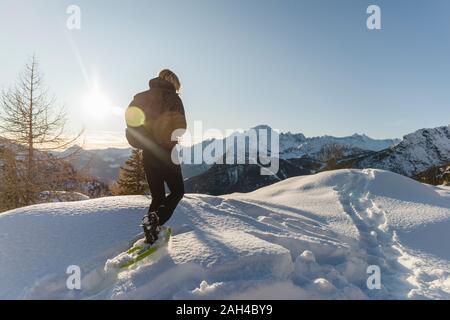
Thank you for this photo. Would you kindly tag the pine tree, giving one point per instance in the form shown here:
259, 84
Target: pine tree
132, 179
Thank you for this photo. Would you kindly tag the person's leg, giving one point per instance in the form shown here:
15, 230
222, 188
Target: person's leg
155, 182
174, 179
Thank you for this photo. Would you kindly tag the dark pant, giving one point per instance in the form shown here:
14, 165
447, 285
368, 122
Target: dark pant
158, 172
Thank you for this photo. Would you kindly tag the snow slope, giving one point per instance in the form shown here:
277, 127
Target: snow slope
306, 237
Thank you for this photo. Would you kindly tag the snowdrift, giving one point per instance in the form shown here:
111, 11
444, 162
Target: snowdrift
308, 237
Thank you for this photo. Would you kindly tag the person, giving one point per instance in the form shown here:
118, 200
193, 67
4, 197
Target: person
154, 120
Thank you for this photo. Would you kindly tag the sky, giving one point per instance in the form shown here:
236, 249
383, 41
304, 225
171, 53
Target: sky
301, 66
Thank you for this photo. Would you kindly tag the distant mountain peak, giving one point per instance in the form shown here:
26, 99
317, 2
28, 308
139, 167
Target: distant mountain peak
417, 152
263, 126
361, 135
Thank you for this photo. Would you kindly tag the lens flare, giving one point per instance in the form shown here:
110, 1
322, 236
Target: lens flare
134, 117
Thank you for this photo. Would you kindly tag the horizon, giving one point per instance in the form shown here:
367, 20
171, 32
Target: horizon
102, 139
124, 144
287, 67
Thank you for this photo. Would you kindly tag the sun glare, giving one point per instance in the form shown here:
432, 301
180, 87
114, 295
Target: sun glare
97, 105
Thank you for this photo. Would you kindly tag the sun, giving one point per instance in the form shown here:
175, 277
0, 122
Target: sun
97, 105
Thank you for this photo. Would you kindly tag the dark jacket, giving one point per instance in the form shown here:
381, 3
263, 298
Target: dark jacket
164, 113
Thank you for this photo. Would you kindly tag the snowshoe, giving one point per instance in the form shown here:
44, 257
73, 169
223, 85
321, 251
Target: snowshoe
150, 224
141, 250
105, 276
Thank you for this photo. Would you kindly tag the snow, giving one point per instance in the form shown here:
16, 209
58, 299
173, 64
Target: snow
309, 237
61, 196
417, 152
297, 145
104, 163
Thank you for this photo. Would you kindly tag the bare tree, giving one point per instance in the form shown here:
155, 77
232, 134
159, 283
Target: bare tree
331, 151
30, 118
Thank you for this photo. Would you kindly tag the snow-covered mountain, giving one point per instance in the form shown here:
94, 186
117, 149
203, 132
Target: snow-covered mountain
417, 152
297, 145
101, 163
298, 156
307, 237
105, 163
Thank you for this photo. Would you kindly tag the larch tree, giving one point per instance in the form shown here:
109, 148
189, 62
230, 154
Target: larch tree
30, 118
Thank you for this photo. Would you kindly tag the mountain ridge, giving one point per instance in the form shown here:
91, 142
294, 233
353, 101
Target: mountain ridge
292, 145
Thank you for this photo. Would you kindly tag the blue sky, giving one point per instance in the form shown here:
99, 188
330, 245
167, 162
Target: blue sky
299, 66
